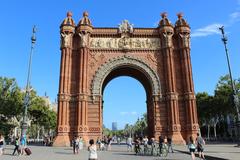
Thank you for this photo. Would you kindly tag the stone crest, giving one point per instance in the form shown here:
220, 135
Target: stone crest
125, 27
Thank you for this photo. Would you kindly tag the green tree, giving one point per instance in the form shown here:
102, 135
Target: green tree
42, 118
11, 100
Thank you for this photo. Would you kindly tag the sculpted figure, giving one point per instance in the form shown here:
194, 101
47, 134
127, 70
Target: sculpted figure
185, 39
167, 39
84, 39
66, 39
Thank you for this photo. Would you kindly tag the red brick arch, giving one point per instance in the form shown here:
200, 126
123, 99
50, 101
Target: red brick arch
158, 57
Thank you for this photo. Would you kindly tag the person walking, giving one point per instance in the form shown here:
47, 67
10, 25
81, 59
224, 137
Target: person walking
161, 141
200, 146
80, 143
1, 144
191, 147
129, 143
92, 150
23, 145
74, 143
109, 143
169, 143
16, 144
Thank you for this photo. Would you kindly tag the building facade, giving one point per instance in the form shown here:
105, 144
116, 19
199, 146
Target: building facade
114, 126
158, 57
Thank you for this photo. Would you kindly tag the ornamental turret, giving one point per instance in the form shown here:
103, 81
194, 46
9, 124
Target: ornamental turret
84, 29
67, 30
182, 30
166, 31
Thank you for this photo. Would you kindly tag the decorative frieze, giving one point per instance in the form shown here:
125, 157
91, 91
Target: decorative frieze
125, 43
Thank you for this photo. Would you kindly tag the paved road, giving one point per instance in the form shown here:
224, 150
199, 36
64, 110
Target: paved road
120, 153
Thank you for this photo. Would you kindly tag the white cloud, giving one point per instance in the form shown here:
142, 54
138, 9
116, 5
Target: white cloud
234, 17
133, 113
207, 30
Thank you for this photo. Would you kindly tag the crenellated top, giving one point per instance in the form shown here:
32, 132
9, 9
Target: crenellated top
68, 24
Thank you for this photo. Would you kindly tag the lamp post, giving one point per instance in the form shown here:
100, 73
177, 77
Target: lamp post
27, 94
234, 91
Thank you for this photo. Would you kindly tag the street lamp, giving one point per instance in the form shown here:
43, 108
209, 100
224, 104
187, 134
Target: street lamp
26, 101
234, 91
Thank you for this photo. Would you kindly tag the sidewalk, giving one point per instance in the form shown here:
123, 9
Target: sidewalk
213, 152
216, 151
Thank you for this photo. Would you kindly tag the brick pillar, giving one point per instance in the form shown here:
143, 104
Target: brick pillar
63, 128
84, 30
183, 34
166, 31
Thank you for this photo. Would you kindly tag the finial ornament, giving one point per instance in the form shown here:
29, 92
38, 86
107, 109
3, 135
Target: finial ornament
69, 14
85, 14
164, 15
180, 15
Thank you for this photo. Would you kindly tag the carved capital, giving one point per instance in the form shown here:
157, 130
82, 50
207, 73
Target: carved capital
84, 39
66, 39
184, 38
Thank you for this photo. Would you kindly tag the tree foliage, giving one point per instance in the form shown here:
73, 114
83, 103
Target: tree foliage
11, 100
214, 110
11, 108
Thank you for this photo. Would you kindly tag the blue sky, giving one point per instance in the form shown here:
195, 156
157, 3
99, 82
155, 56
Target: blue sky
207, 52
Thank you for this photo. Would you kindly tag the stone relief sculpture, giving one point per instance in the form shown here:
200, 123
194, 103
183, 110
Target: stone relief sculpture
84, 39
66, 39
125, 43
167, 39
185, 39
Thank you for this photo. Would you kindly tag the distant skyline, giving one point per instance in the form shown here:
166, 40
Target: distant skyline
124, 97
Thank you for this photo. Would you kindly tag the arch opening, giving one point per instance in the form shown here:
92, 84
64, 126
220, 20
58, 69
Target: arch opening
145, 83
124, 102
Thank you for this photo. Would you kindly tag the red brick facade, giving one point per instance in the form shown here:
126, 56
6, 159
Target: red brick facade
158, 57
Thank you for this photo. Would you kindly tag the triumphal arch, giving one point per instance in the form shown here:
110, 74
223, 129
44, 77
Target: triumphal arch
157, 57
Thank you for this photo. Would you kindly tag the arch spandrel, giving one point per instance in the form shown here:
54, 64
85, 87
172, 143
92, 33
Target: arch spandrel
105, 69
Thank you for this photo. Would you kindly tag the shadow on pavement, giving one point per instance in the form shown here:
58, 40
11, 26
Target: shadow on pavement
206, 156
64, 153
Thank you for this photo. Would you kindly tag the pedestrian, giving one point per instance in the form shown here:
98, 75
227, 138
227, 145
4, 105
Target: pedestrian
16, 144
145, 143
74, 144
98, 142
161, 141
109, 143
22, 144
169, 143
92, 150
80, 143
1, 144
77, 145
129, 143
191, 147
200, 146
137, 145
118, 140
